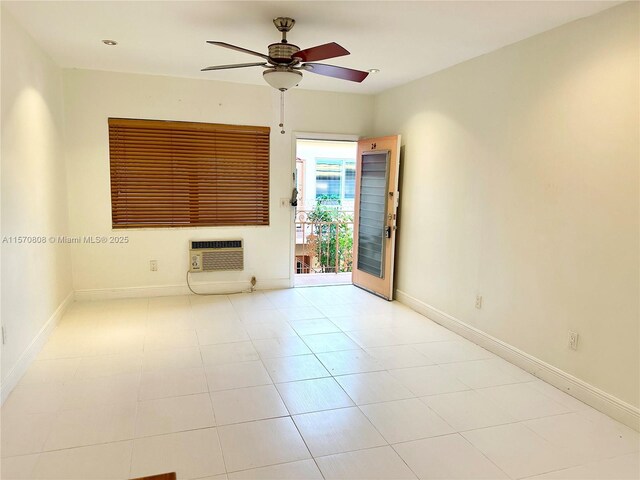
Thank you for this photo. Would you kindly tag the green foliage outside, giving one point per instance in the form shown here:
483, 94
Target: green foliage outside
336, 226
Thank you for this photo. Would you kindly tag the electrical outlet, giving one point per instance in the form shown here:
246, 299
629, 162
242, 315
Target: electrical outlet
572, 340
153, 265
478, 302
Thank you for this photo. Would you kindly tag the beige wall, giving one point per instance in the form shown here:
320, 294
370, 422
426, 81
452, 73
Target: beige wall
91, 97
520, 184
35, 278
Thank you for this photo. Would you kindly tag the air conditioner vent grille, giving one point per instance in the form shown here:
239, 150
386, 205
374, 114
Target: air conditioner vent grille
214, 244
222, 260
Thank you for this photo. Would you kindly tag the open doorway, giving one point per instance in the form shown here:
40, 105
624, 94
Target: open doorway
325, 178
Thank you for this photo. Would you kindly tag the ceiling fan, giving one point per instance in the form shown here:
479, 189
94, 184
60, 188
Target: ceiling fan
285, 61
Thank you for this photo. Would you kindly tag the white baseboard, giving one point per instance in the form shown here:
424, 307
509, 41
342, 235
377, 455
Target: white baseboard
31, 352
169, 290
583, 391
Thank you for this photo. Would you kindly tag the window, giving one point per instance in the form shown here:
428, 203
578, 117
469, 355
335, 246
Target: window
335, 176
328, 177
180, 174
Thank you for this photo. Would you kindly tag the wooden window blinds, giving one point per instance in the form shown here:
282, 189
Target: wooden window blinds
179, 174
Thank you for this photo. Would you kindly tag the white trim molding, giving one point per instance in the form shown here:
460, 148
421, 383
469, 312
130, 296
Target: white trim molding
182, 289
31, 352
583, 391
340, 137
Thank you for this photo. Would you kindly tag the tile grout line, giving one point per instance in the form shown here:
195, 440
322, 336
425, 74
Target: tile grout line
460, 432
206, 379
287, 408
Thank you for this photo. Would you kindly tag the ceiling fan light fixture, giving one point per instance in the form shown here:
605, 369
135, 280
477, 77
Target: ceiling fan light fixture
282, 79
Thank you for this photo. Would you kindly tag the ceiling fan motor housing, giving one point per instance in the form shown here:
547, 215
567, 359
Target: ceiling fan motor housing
282, 52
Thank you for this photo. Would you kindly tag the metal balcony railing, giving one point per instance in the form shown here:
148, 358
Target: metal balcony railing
324, 241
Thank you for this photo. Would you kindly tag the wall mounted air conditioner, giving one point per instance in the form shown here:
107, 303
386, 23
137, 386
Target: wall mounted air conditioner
216, 255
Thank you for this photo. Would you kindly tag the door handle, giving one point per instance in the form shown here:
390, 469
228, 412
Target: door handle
387, 232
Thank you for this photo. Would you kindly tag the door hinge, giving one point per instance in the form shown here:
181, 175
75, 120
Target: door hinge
4, 336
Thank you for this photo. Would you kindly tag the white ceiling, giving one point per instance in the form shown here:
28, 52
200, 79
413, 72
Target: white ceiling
405, 40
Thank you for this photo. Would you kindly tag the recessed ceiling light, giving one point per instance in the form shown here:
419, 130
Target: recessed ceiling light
111, 43
373, 70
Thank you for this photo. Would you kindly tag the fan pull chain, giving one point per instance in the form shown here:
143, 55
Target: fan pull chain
282, 111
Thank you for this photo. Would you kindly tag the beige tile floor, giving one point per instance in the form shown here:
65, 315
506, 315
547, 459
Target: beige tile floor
308, 383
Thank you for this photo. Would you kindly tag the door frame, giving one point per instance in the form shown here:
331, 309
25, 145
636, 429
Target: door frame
339, 137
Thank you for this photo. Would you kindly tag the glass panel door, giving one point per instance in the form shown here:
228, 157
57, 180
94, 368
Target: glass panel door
372, 212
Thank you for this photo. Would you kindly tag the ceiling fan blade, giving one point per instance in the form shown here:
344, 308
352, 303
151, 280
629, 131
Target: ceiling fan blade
236, 65
238, 49
321, 52
336, 72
